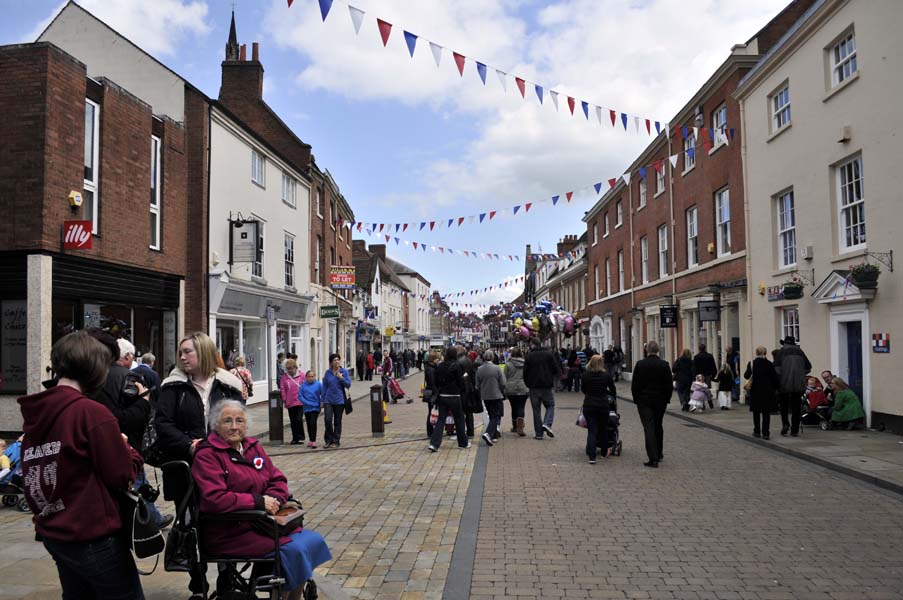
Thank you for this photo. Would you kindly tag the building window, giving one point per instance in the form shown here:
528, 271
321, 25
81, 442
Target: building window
852, 204
692, 238
257, 266
289, 260
790, 322
663, 250
787, 229
843, 56
605, 225
723, 221
319, 253
258, 168
689, 152
90, 196
642, 194
719, 124
320, 203
595, 234
644, 259
332, 213
780, 108
608, 277
155, 194
332, 260
289, 189
596, 279
660, 180
619, 214
620, 270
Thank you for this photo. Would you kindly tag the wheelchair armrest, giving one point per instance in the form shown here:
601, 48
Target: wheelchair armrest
235, 515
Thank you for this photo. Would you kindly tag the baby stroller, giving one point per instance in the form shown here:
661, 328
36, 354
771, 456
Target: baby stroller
815, 409
12, 486
614, 423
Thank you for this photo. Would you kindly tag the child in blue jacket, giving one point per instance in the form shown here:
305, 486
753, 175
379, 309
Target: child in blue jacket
311, 396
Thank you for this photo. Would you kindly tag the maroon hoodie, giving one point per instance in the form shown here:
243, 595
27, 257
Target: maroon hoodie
73, 461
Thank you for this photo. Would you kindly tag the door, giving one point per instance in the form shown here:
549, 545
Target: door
854, 356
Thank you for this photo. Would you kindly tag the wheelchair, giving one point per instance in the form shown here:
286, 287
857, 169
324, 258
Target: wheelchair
234, 581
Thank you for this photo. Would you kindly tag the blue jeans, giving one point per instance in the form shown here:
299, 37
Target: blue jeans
540, 397
101, 569
140, 480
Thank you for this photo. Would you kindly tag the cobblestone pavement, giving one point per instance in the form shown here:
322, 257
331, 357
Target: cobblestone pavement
390, 514
720, 519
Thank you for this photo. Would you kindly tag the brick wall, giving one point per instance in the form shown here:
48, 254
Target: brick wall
197, 126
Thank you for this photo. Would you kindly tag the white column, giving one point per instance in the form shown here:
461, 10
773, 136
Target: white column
39, 311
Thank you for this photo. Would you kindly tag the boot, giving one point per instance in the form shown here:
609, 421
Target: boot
520, 427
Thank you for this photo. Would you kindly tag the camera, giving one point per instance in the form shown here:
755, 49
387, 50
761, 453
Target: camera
129, 388
148, 492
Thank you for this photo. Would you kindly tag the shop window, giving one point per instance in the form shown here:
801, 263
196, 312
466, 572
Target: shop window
255, 349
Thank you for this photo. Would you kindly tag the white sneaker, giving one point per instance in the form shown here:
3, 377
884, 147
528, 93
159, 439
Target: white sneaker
548, 431
464, 447
433, 448
487, 438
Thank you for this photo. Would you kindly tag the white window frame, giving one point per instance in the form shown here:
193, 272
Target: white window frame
850, 200
719, 125
319, 200
605, 229
644, 259
318, 251
692, 236
722, 224
642, 202
289, 190
608, 277
790, 322
660, 181
258, 168
663, 250
289, 256
257, 269
844, 66
595, 233
92, 185
779, 107
620, 270
619, 213
332, 212
155, 206
689, 161
786, 224
596, 280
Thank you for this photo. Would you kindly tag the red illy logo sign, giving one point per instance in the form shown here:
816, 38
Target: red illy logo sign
77, 235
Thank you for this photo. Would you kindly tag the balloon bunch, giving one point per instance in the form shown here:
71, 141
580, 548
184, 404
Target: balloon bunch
542, 321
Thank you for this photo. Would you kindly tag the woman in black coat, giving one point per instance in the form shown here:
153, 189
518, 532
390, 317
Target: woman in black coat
683, 377
429, 388
597, 386
762, 396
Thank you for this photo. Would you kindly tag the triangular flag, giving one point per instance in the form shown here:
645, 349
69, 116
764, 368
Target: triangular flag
642, 172
538, 89
432, 225
357, 17
683, 130
624, 120
571, 104
385, 28
503, 78
437, 52
554, 200
422, 225
526, 210
466, 253
359, 225
388, 237
472, 219
599, 114
673, 159
516, 208
396, 241
459, 60
381, 225
450, 221
612, 116
325, 5
404, 227
626, 178
636, 124
460, 220
415, 247
658, 166
411, 40
598, 187
491, 214
696, 133
612, 182
554, 96
732, 130
569, 195
482, 216
520, 85
658, 128
585, 106
481, 70
648, 127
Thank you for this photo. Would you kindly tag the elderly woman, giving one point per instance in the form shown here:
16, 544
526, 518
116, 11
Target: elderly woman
491, 383
233, 472
762, 393
597, 385
847, 411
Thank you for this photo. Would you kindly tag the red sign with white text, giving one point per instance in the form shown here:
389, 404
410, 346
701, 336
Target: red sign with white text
77, 235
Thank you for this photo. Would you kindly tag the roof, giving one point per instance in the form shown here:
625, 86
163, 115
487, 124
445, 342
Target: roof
402, 269
365, 268
387, 274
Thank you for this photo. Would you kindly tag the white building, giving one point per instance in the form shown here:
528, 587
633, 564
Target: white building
417, 331
821, 124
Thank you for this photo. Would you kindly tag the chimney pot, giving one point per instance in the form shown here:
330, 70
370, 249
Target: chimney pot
243, 53
255, 52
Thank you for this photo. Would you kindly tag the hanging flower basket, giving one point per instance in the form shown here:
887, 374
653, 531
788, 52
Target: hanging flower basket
793, 290
865, 276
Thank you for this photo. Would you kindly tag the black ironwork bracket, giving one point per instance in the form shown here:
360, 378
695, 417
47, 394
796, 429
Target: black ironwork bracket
885, 258
807, 276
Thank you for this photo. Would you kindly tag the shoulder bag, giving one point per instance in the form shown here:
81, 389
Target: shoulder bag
139, 527
349, 408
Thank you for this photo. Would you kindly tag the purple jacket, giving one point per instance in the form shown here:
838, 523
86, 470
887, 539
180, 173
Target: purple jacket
228, 481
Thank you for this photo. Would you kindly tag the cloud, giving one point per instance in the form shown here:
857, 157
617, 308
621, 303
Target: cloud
158, 27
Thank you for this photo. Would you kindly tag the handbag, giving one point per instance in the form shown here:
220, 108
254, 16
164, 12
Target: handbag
142, 533
287, 519
182, 553
474, 403
349, 408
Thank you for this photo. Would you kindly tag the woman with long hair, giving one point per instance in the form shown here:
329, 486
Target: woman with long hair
597, 386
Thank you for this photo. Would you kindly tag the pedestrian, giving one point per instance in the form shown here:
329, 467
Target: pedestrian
516, 390
651, 389
732, 357
151, 378
280, 367
682, 371
73, 488
699, 393
449, 385
540, 372
608, 356
847, 411
360, 364
704, 364
598, 387
793, 366
371, 366
311, 396
725, 386
429, 389
335, 382
491, 383
471, 398
289, 387
244, 375
619, 361
761, 392
387, 369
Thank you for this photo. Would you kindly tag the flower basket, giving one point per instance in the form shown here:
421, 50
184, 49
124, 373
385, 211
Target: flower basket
865, 276
792, 290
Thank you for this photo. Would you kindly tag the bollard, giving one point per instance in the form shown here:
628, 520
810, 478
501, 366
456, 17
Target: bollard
376, 411
276, 427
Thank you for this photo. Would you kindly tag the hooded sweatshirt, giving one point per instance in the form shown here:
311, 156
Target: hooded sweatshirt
311, 395
74, 461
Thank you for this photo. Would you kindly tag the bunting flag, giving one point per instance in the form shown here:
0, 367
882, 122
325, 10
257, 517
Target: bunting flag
459, 60
437, 52
325, 5
423, 246
538, 89
481, 70
571, 105
503, 77
411, 40
521, 85
585, 109
357, 18
554, 96
385, 29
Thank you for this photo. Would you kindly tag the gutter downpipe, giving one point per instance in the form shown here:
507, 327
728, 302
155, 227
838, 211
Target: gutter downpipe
750, 285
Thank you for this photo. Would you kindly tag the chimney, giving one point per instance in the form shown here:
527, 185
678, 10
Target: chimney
255, 52
378, 250
242, 79
243, 54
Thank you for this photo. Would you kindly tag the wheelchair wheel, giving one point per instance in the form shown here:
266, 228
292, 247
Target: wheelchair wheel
9, 500
310, 590
23, 506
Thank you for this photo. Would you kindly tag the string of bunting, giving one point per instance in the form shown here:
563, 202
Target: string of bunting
710, 137
504, 77
511, 282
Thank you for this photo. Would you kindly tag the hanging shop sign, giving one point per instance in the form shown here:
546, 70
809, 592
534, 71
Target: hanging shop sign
389, 332
244, 241
330, 311
341, 277
668, 315
775, 292
77, 235
709, 311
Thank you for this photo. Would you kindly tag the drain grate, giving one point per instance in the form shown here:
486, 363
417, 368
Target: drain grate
691, 425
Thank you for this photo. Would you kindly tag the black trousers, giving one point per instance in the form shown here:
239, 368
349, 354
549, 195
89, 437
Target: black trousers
790, 401
468, 421
596, 431
518, 404
762, 422
652, 417
496, 410
334, 413
449, 405
311, 418
294, 417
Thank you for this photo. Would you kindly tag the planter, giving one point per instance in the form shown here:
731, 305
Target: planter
865, 280
793, 293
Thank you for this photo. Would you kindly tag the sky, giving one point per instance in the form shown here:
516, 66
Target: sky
408, 141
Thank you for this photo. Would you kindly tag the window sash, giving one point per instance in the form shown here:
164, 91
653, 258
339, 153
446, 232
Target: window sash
91, 199
257, 265
605, 225
692, 238
619, 214
596, 279
608, 277
620, 270
790, 322
780, 111
787, 229
155, 194
289, 189
644, 259
595, 234
663, 250
719, 124
258, 168
289, 260
723, 221
852, 204
689, 157
642, 193
844, 58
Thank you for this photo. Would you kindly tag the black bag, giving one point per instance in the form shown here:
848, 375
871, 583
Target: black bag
474, 403
427, 395
349, 408
287, 519
142, 533
182, 552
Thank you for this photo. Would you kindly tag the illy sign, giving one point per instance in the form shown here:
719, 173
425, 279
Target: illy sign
77, 235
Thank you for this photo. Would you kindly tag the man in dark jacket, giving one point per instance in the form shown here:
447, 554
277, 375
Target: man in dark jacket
651, 388
541, 369
469, 372
793, 366
704, 364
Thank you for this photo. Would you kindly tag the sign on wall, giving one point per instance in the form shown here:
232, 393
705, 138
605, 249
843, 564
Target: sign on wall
775, 292
709, 311
668, 316
13, 339
244, 241
341, 277
881, 343
77, 235
330, 311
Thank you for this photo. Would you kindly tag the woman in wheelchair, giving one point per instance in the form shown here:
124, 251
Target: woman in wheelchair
232, 473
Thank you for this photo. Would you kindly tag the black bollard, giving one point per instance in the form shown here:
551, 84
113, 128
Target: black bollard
376, 411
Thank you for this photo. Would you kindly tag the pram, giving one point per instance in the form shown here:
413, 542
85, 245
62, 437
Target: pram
815, 409
12, 487
614, 425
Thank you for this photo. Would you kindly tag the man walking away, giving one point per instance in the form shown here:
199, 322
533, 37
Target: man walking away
540, 372
651, 388
704, 364
491, 383
794, 366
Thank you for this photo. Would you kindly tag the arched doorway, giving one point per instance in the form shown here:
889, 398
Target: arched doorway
597, 333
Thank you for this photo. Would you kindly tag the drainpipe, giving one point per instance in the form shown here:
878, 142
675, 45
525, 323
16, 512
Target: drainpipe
748, 342
666, 165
